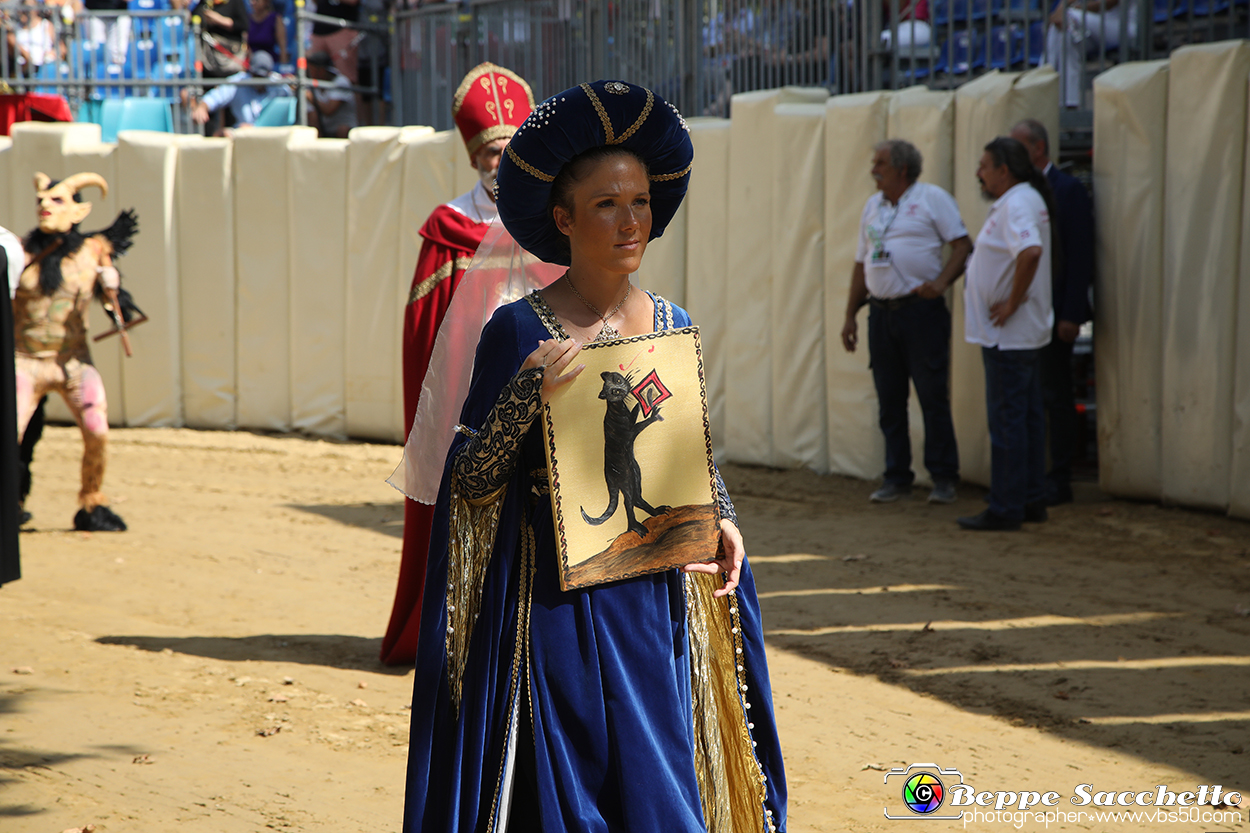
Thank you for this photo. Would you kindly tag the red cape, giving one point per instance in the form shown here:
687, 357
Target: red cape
451, 239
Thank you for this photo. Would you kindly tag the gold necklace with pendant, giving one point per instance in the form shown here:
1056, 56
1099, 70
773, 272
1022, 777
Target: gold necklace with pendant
607, 332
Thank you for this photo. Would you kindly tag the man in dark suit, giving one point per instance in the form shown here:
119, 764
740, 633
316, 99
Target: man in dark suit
1074, 272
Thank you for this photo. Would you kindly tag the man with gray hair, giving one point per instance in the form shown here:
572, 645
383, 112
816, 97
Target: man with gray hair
899, 272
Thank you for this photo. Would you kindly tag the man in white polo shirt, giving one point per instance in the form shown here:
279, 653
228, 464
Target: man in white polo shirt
1009, 313
899, 271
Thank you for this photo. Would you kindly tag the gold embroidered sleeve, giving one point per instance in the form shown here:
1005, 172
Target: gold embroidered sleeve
484, 465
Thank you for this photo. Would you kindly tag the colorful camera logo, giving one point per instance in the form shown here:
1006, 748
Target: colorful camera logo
923, 793
923, 788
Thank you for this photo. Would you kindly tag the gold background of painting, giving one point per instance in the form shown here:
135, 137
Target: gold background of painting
672, 454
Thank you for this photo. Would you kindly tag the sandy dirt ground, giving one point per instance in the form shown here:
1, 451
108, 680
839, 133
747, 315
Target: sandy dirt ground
215, 668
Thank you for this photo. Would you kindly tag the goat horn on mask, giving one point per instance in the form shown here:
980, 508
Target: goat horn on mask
77, 182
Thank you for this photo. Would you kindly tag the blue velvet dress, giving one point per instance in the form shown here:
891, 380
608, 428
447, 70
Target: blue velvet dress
649, 701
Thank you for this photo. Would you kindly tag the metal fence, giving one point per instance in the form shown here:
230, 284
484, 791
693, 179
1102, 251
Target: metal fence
97, 58
698, 53
695, 53
97, 55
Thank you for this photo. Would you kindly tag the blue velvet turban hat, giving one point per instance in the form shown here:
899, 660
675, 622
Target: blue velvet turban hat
578, 119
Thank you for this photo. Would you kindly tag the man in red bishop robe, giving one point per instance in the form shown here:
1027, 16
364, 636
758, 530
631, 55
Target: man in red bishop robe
490, 104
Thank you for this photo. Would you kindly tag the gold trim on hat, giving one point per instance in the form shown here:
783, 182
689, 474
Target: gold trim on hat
490, 134
646, 111
527, 167
603, 114
483, 69
609, 135
670, 177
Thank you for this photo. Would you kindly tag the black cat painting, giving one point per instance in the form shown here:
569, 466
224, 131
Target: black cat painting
629, 461
620, 467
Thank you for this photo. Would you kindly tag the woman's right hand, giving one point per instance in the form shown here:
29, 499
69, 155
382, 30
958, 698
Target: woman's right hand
554, 357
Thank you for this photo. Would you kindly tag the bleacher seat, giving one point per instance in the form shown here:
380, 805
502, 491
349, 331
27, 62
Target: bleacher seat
963, 52
110, 118
1207, 8
144, 59
961, 11
91, 110
278, 112
49, 72
1006, 48
1035, 43
1179, 8
1023, 8
173, 39
114, 72
146, 114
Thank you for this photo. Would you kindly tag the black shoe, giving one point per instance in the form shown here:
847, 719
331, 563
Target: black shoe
1058, 493
988, 521
23, 517
1035, 512
100, 519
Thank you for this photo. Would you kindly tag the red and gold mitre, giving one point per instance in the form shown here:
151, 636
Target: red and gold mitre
491, 102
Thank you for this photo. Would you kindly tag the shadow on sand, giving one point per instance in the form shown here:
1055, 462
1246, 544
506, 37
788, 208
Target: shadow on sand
332, 650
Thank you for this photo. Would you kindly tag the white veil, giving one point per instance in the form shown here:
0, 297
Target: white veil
501, 272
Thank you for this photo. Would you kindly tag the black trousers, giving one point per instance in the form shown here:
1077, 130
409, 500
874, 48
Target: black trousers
912, 343
1059, 402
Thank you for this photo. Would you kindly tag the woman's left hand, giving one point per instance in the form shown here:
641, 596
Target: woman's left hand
731, 554
554, 358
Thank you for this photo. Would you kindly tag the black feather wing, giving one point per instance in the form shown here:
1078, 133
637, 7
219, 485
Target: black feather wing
122, 233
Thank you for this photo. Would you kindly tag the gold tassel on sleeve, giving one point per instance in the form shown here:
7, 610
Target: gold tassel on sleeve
470, 543
731, 782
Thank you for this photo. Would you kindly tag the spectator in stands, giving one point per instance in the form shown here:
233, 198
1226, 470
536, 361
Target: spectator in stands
1076, 29
913, 25
806, 56
723, 35
332, 101
113, 30
1007, 311
337, 41
10, 50
899, 272
245, 101
222, 32
791, 47
1074, 273
266, 31
36, 39
372, 58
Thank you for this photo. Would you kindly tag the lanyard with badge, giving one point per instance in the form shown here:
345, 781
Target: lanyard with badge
880, 255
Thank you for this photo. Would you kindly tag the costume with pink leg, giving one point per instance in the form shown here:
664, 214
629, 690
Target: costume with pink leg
64, 271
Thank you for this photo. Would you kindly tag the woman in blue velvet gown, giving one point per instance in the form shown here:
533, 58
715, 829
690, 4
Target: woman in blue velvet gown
639, 705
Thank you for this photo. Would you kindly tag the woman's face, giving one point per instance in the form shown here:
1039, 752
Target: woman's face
611, 219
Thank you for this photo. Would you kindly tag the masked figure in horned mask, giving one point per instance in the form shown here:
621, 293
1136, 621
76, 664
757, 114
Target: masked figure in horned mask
64, 270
